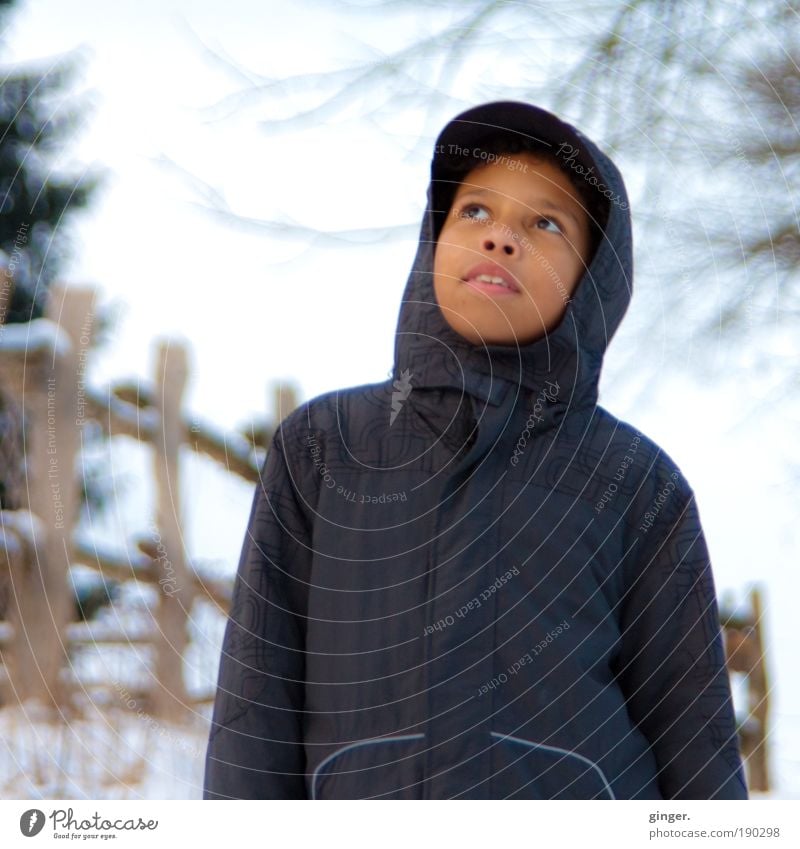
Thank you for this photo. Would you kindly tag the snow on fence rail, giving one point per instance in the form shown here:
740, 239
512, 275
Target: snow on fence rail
42, 368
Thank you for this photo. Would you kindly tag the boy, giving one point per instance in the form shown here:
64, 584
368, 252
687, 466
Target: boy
472, 581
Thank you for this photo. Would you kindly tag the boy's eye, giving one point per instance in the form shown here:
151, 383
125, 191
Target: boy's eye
546, 221
475, 212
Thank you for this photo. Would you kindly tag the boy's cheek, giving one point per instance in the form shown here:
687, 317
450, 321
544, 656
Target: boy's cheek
449, 249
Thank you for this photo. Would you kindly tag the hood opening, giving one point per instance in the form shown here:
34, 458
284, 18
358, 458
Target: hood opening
432, 354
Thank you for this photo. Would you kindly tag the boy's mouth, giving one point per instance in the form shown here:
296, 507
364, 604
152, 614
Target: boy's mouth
492, 279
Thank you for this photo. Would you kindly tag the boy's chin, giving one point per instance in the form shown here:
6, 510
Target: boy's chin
491, 336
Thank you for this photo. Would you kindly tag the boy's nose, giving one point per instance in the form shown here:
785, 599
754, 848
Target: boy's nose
499, 239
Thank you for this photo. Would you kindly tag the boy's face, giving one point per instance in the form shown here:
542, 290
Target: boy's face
519, 219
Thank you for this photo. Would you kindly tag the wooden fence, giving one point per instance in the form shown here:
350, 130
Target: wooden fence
42, 369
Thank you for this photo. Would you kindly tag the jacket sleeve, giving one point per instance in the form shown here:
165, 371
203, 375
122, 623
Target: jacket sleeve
671, 663
255, 748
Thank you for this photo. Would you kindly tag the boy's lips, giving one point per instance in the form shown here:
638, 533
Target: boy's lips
492, 279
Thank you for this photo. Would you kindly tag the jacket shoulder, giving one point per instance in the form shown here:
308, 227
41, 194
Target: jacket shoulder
333, 422
331, 410
640, 468
654, 461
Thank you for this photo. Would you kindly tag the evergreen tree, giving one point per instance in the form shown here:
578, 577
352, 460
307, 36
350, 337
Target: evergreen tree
37, 117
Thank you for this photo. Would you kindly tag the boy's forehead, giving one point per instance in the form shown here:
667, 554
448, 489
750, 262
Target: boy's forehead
521, 177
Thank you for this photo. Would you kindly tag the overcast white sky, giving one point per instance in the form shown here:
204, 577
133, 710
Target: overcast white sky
256, 309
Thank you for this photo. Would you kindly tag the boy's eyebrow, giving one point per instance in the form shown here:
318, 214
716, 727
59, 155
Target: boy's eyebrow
543, 204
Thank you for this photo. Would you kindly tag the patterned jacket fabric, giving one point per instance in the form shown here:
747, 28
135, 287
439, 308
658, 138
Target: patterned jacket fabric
471, 580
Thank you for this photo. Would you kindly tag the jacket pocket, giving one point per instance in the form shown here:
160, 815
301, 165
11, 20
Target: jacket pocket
375, 768
525, 769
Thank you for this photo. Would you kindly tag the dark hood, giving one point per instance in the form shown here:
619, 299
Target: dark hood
429, 354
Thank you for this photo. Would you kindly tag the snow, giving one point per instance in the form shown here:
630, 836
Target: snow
40, 336
19, 528
106, 753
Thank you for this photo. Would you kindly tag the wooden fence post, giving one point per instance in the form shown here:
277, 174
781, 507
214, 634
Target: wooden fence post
41, 603
284, 400
759, 700
170, 699
744, 646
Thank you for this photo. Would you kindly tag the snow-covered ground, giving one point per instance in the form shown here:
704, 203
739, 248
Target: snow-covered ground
113, 754
106, 744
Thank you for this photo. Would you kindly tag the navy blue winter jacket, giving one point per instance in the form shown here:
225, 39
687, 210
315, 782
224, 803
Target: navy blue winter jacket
470, 580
